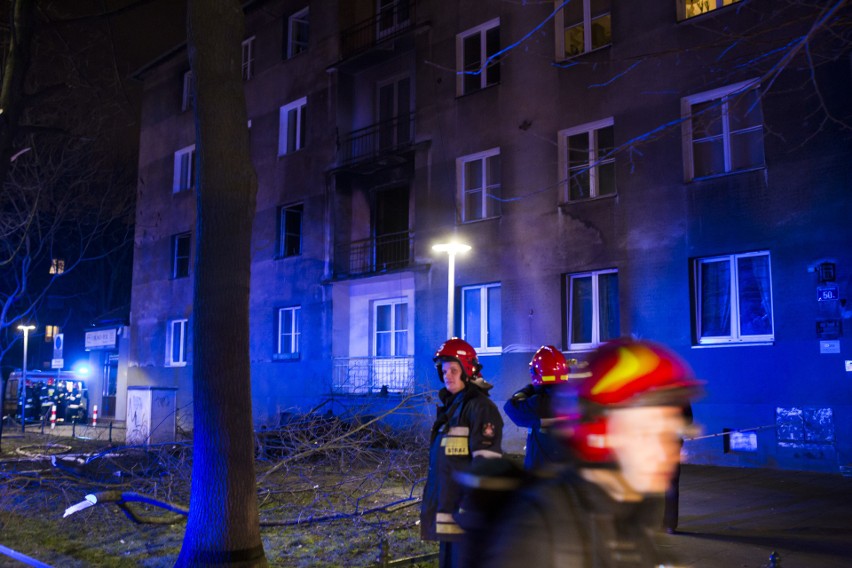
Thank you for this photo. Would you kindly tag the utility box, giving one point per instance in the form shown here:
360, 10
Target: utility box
150, 415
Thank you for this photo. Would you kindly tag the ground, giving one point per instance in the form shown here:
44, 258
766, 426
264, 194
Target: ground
333, 502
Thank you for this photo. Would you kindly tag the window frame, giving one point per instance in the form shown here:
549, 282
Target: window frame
490, 191
561, 27
176, 240
719, 4
395, 303
735, 337
481, 344
184, 179
295, 47
723, 95
293, 335
284, 230
182, 358
596, 315
187, 100
485, 65
247, 59
594, 161
299, 141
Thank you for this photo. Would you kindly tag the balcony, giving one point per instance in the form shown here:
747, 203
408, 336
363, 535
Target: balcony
377, 142
373, 375
379, 254
391, 22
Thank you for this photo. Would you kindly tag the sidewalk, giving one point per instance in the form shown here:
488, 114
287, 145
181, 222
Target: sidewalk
736, 517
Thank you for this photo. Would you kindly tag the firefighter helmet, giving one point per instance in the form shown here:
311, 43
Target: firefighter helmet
463, 353
626, 373
548, 366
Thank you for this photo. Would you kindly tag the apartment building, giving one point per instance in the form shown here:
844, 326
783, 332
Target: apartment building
675, 170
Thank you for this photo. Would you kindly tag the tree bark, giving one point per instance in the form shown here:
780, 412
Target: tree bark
223, 525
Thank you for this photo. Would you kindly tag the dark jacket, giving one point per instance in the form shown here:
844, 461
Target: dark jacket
468, 426
568, 521
530, 408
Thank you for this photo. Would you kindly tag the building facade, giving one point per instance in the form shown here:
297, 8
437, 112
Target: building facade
675, 170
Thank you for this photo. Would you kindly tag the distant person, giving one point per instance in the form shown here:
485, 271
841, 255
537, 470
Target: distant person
627, 446
532, 407
468, 428
672, 502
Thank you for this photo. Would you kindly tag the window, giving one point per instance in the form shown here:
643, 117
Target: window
297, 33
723, 131
188, 98
57, 266
474, 50
288, 333
582, 26
50, 331
593, 316
393, 15
248, 59
734, 299
290, 231
478, 178
587, 160
482, 324
390, 331
184, 170
176, 342
691, 8
291, 136
180, 255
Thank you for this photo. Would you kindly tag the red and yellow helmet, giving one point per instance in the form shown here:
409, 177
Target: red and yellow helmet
463, 353
548, 366
625, 373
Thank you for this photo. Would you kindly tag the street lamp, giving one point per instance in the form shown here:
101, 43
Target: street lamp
26, 329
452, 249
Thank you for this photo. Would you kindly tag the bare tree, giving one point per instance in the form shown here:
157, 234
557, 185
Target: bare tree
223, 525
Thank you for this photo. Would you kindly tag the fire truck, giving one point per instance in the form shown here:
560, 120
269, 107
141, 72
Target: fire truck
41, 391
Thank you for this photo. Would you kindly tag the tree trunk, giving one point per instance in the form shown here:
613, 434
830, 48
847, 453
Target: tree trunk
223, 527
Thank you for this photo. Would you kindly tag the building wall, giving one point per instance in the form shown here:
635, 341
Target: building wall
791, 398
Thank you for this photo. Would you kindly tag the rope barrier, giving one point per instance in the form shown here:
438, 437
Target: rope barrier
729, 432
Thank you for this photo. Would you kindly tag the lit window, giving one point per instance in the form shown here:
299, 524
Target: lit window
183, 177
479, 185
297, 32
723, 131
691, 8
180, 255
292, 125
57, 266
733, 299
586, 160
482, 324
248, 59
390, 328
593, 315
176, 343
288, 333
188, 97
476, 65
50, 332
290, 231
582, 26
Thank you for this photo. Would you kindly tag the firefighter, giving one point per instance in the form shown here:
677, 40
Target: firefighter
468, 429
531, 407
627, 446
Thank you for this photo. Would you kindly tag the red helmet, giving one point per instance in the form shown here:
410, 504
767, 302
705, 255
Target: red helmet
548, 366
625, 373
463, 353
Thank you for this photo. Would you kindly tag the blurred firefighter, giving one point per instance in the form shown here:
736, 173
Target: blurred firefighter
532, 407
627, 445
468, 429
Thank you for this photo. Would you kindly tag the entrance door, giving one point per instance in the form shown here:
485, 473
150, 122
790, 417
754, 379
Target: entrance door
391, 229
394, 113
110, 385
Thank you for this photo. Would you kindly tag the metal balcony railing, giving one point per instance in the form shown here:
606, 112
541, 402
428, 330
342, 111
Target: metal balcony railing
373, 375
389, 23
376, 140
384, 252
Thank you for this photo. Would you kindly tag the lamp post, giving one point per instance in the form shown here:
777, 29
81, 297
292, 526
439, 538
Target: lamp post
23, 386
452, 249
